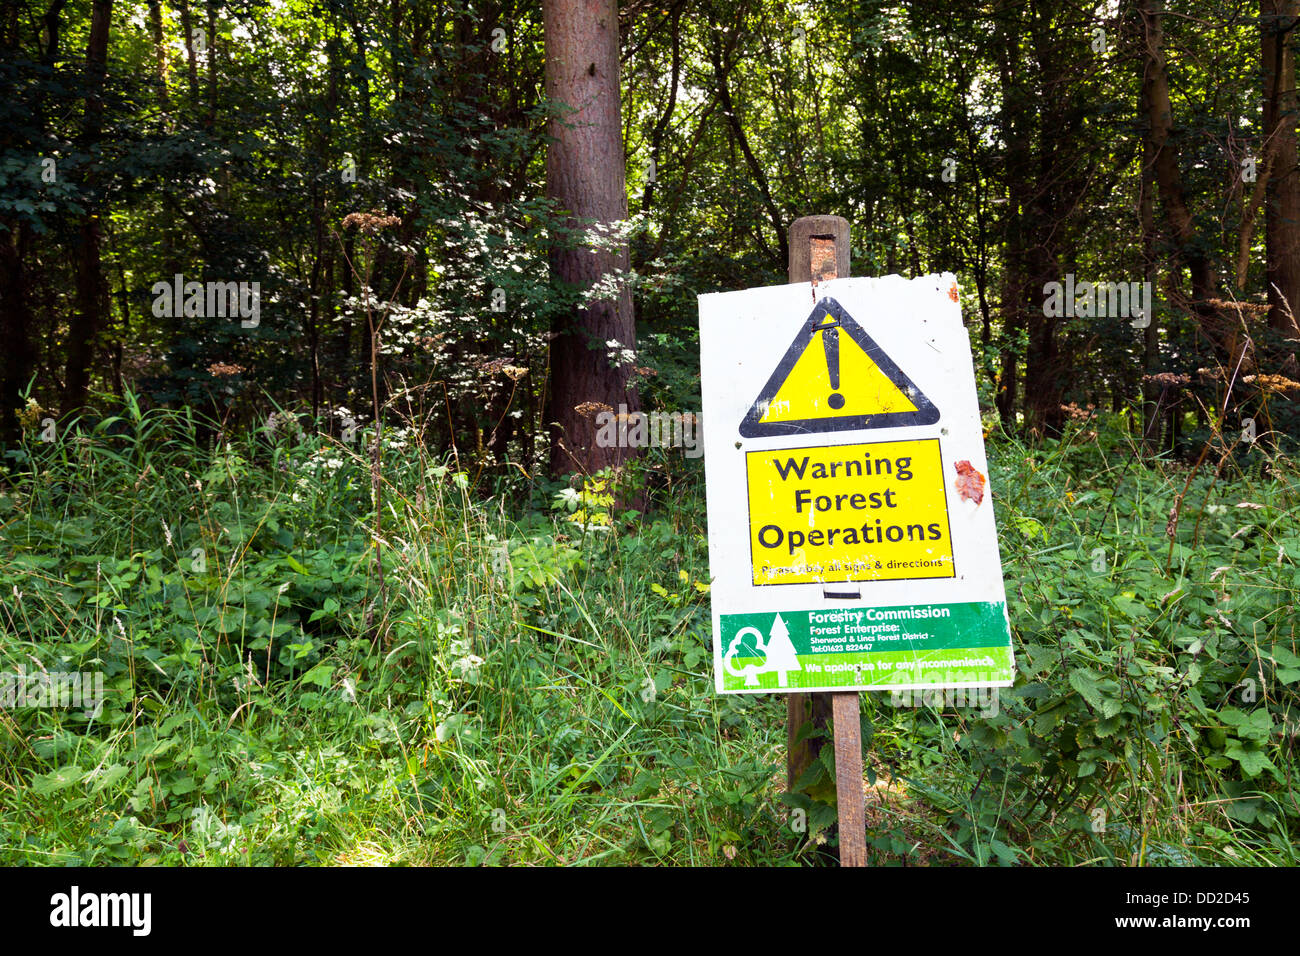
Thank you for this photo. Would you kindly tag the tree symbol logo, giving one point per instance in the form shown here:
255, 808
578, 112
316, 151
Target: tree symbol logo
778, 653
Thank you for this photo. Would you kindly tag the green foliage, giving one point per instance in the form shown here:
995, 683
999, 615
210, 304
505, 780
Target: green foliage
525, 692
1146, 695
271, 709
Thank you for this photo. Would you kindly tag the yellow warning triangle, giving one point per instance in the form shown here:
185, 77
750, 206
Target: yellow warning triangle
834, 377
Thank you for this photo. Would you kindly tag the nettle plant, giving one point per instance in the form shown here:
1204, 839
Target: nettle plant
216, 558
1155, 659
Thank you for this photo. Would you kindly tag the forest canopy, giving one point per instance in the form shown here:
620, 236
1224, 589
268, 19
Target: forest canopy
1053, 155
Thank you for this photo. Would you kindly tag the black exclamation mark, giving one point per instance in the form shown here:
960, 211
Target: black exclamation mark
831, 343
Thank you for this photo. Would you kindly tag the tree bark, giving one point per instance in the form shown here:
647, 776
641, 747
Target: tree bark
92, 292
19, 359
187, 28
1151, 391
159, 52
585, 175
1059, 188
15, 323
1015, 317
1169, 178
212, 63
1282, 195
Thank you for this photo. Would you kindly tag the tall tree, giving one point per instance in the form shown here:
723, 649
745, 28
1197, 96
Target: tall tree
1278, 19
16, 136
1015, 118
586, 175
92, 292
1163, 149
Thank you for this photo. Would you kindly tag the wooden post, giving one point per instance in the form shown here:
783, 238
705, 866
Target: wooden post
819, 250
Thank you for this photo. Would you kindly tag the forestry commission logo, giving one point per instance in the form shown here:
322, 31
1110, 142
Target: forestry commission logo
77, 909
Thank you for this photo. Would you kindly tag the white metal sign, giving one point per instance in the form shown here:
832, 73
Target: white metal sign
851, 533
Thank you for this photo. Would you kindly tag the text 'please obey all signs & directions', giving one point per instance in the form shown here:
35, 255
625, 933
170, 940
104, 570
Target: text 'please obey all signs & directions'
852, 541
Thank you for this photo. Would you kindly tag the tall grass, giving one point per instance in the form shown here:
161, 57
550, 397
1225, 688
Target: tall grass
534, 686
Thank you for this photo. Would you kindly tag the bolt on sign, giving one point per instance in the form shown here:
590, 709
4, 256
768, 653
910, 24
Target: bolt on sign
851, 536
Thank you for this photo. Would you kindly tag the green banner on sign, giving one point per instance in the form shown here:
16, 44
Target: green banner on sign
935, 645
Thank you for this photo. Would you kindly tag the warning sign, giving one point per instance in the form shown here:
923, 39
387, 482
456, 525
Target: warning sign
849, 513
834, 377
852, 541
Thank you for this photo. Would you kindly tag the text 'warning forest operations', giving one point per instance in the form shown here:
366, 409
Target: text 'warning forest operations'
865, 512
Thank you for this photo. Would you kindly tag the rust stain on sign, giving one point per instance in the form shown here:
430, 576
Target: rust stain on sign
970, 483
952, 292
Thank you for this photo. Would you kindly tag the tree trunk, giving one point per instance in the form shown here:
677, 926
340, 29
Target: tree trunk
1151, 391
212, 63
721, 70
92, 292
1169, 180
1015, 318
19, 359
1282, 197
15, 323
1059, 185
585, 175
159, 52
187, 28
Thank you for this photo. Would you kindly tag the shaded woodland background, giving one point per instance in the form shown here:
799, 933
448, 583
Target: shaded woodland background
1127, 141
395, 628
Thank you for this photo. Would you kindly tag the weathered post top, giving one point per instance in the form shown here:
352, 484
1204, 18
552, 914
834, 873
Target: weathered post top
833, 231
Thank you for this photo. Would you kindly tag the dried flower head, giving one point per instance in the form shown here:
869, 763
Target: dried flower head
1076, 414
370, 222
1274, 383
1168, 379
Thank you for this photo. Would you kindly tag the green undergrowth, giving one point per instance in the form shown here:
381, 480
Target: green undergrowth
531, 682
